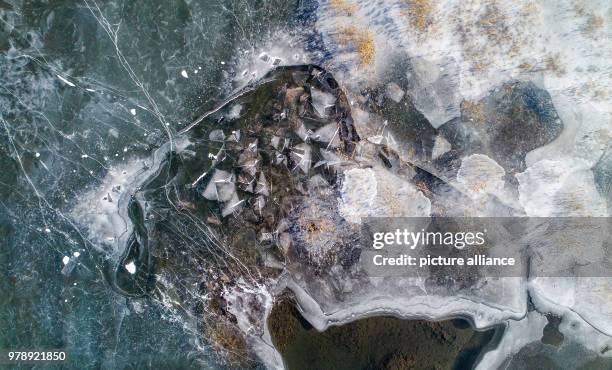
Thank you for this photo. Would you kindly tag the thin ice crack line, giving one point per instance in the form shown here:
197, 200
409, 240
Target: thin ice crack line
66, 137
39, 196
223, 104
98, 84
208, 232
217, 243
123, 61
210, 235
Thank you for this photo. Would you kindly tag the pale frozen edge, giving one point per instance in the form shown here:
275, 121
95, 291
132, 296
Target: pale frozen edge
258, 336
375, 192
106, 221
516, 336
573, 298
432, 307
280, 49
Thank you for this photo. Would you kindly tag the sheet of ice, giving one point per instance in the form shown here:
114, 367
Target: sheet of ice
560, 187
234, 112
441, 146
278, 49
253, 324
394, 92
584, 300
328, 134
321, 101
480, 175
456, 50
516, 336
221, 187
301, 154
375, 192
496, 302
99, 207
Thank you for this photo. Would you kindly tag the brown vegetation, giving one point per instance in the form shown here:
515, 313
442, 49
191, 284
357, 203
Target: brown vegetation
362, 40
420, 14
343, 6
229, 342
474, 111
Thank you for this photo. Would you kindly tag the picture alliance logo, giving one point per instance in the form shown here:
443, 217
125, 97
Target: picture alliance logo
412, 239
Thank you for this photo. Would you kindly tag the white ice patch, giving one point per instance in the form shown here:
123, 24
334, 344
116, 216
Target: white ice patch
441, 146
375, 192
130, 267
517, 335
103, 209
562, 188
221, 187
321, 101
278, 50
184, 74
480, 175
65, 81
394, 92
376, 139
98, 208
234, 112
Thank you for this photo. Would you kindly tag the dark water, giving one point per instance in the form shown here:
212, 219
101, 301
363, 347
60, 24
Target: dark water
86, 86
376, 343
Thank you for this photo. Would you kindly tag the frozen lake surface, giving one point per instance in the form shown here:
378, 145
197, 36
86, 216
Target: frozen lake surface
170, 168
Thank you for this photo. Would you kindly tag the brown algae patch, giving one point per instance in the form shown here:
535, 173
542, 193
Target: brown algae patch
229, 343
420, 14
474, 111
362, 40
